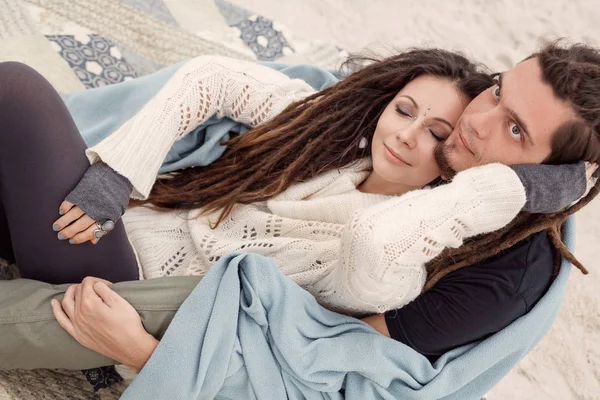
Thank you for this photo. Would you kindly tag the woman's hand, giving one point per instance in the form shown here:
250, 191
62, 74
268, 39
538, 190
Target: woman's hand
101, 320
101, 196
74, 225
553, 188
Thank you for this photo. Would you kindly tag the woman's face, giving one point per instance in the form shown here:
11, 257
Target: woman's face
421, 115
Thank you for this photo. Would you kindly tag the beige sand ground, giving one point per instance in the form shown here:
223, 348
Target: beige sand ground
566, 364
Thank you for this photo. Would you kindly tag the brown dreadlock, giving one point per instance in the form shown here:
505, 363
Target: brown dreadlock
290, 148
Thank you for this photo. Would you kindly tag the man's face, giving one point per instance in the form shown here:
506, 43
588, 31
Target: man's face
511, 123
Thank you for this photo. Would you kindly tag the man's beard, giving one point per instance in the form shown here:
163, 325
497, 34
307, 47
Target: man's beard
441, 158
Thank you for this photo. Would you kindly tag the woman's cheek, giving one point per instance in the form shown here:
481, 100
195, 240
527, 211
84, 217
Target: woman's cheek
433, 170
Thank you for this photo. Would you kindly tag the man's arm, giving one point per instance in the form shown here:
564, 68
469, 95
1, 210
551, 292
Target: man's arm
378, 323
474, 302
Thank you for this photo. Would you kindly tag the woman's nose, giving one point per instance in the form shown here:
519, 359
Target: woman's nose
408, 135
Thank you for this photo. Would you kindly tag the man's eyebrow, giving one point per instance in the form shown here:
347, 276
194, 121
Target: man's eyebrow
513, 114
411, 100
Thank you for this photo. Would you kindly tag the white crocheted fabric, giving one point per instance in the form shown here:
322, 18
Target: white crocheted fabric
357, 253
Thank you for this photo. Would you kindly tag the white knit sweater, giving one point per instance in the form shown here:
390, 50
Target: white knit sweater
357, 253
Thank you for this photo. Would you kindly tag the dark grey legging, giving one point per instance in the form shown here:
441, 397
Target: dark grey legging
41, 160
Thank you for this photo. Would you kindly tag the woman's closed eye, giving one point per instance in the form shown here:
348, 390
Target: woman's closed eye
436, 136
404, 111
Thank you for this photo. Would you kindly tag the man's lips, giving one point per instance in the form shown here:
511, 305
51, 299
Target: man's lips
464, 141
396, 155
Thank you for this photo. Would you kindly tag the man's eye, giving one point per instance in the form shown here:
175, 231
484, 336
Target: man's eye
515, 131
496, 91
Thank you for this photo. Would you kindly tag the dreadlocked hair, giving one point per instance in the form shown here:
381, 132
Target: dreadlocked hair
573, 72
317, 134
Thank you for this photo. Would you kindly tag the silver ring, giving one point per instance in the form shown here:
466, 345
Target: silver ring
103, 228
108, 225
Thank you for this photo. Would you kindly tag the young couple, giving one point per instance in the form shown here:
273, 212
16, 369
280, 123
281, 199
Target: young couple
419, 193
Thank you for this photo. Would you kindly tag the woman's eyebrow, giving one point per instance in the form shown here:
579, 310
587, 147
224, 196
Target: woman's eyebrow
411, 100
443, 121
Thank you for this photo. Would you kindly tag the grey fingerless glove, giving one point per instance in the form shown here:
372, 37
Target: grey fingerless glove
551, 188
102, 193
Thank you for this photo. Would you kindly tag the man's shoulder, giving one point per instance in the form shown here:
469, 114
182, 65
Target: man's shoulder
535, 249
524, 269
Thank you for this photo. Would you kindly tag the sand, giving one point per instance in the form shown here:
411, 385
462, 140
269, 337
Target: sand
566, 364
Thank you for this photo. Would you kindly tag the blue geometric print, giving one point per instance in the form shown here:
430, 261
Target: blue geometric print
97, 62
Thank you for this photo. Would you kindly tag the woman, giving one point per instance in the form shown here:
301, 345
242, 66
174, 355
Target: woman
311, 196
401, 107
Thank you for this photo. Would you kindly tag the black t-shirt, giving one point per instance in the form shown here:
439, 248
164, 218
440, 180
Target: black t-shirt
477, 301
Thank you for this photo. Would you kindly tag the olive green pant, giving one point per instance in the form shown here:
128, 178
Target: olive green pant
30, 336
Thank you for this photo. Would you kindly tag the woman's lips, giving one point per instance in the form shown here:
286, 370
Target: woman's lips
394, 157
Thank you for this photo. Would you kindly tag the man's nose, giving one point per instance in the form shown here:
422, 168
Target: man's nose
408, 135
479, 124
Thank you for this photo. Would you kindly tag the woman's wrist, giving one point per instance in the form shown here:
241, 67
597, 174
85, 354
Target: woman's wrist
141, 353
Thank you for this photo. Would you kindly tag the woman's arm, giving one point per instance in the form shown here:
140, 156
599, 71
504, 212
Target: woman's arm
385, 247
205, 86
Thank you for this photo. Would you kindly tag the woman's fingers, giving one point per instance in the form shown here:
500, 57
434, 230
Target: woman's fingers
77, 231
86, 235
64, 207
75, 225
72, 215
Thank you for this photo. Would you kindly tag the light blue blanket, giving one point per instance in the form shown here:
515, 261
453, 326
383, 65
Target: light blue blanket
248, 332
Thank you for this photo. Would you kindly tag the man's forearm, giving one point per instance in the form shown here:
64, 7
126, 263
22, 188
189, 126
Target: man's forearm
378, 323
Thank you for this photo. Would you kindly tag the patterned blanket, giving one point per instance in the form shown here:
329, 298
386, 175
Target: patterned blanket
82, 44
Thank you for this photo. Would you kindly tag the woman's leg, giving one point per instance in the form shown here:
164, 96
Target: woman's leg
6, 250
31, 338
41, 160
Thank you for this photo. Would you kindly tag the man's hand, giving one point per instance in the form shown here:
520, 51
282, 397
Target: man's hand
101, 320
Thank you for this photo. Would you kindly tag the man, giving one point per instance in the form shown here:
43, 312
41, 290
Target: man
525, 118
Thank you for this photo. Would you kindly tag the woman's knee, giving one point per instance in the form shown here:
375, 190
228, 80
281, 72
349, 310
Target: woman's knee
18, 81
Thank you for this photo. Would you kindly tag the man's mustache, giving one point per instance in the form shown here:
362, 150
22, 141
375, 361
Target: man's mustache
441, 158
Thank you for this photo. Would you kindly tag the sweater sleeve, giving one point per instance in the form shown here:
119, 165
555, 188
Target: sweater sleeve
385, 247
207, 85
